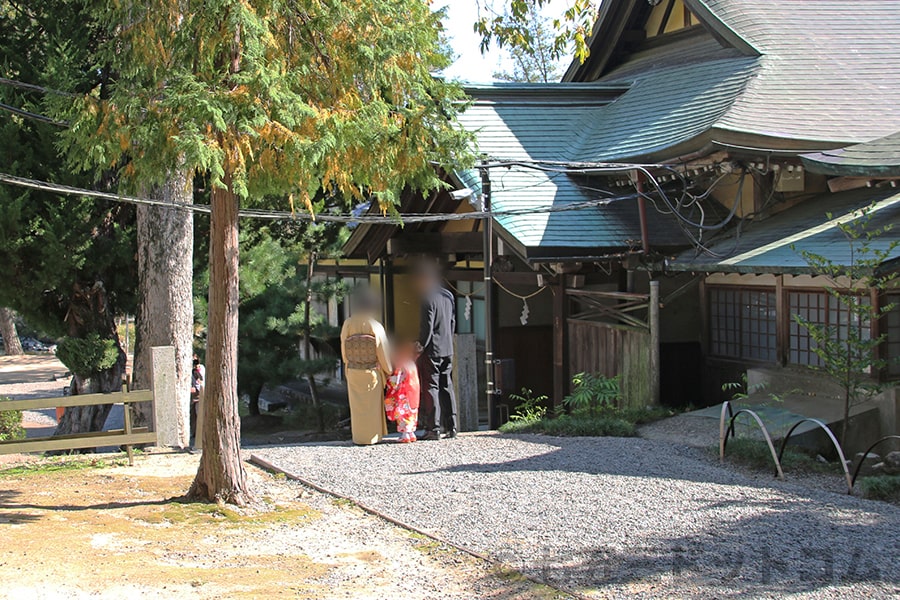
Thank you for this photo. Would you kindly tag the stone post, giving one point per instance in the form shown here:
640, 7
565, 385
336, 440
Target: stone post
465, 381
171, 420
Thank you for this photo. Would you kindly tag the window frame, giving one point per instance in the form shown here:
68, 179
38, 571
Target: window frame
741, 289
829, 297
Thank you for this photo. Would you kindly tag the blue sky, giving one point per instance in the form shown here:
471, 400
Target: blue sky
471, 65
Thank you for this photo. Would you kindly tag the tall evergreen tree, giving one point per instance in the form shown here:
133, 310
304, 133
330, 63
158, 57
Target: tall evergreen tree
67, 264
300, 98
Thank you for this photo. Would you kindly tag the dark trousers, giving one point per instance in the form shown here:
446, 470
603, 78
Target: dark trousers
438, 402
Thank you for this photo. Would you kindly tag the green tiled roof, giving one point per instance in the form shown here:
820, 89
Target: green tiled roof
521, 125
777, 244
878, 158
793, 73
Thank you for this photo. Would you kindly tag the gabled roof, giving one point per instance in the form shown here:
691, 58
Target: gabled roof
777, 244
878, 158
826, 73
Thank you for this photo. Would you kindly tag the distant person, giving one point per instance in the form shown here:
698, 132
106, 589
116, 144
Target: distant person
364, 348
401, 401
436, 328
198, 384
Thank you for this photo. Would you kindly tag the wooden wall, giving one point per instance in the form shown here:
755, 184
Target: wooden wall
612, 350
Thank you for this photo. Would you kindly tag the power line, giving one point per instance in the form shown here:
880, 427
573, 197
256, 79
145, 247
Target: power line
275, 215
35, 88
31, 115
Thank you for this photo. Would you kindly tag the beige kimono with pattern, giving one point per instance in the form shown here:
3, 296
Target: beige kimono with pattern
365, 386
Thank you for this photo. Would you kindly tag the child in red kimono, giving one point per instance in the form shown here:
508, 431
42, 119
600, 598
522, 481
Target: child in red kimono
401, 400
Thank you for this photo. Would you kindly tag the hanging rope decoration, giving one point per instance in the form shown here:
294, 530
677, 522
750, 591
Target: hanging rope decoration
467, 310
523, 318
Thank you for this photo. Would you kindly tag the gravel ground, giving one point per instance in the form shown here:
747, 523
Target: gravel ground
620, 516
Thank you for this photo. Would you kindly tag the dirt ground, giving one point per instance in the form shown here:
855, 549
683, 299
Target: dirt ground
96, 528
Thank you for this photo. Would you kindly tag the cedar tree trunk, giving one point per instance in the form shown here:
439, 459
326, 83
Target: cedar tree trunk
11, 343
165, 317
221, 476
89, 312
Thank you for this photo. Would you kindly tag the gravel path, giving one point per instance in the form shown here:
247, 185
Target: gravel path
615, 516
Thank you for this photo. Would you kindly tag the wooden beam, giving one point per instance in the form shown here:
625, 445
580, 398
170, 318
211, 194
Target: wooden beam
465, 242
94, 440
82, 400
843, 184
782, 322
665, 18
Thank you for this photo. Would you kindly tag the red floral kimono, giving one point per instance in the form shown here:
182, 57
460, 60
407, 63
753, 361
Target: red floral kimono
401, 401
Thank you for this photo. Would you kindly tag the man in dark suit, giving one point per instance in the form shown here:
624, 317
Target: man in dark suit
436, 328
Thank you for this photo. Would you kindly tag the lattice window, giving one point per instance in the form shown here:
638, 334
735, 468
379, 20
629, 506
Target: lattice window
742, 323
820, 308
891, 324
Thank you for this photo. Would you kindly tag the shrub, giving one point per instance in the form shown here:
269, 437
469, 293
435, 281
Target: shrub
531, 408
881, 487
10, 424
594, 411
88, 355
574, 426
593, 393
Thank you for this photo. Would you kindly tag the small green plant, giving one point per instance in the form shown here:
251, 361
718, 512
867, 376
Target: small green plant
847, 351
755, 454
593, 393
531, 408
10, 423
881, 487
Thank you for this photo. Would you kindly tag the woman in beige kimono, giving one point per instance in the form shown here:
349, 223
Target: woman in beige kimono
364, 348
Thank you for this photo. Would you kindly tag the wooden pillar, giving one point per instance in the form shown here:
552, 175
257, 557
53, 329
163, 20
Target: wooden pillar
782, 322
653, 321
387, 289
560, 341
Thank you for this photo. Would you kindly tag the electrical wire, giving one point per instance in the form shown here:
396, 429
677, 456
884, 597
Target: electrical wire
35, 88
31, 115
293, 216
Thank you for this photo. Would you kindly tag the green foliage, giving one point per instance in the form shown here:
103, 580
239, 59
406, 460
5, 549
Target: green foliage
593, 407
593, 393
512, 27
755, 454
881, 487
742, 390
272, 302
89, 355
10, 424
304, 100
574, 425
538, 62
531, 408
48, 243
847, 350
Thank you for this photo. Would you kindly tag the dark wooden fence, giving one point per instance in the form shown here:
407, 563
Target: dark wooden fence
615, 333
